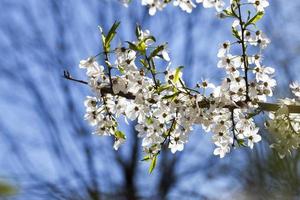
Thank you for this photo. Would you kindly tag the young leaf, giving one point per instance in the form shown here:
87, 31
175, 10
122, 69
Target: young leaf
156, 51
138, 31
153, 164
106, 40
132, 46
235, 33
120, 134
152, 38
111, 34
241, 142
255, 19
162, 88
144, 63
140, 47
177, 74
146, 158
103, 38
228, 13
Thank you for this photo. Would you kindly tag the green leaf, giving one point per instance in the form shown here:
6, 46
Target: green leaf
132, 46
228, 13
140, 47
177, 74
233, 8
241, 142
255, 19
235, 33
153, 164
171, 96
152, 38
120, 134
102, 35
106, 40
144, 63
162, 88
249, 15
156, 51
146, 158
138, 31
111, 34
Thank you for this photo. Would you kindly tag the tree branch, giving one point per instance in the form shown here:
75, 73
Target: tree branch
269, 107
103, 90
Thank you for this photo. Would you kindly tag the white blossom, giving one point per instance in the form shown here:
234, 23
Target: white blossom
260, 5
295, 87
92, 67
166, 109
177, 142
218, 4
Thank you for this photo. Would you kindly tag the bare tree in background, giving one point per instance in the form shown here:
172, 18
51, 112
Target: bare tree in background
47, 147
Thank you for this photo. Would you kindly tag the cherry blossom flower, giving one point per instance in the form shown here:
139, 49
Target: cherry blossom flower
218, 4
295, 87
185, 5
260, 5
224, 49
263, 73
177, 142
154, 5
118, 142
252, 136
93, 68
221, 150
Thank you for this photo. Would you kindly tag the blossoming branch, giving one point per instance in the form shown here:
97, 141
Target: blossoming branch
166, 109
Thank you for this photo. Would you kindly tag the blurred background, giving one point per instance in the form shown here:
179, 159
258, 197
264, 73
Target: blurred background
46, 148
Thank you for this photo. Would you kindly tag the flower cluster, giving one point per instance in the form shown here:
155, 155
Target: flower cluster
128, 84
285, 125
237, 86
159, 108
189, 5
185, 5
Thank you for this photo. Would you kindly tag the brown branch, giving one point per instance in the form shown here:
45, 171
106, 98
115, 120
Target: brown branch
244, 49
275, 107
269, 107
103, 90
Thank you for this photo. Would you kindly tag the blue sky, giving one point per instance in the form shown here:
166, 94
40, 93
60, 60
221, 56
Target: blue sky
39, 39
